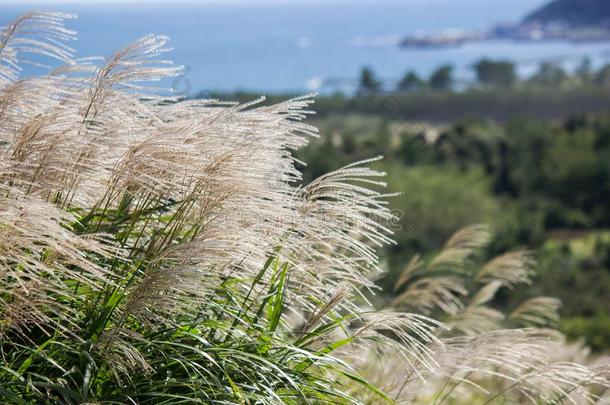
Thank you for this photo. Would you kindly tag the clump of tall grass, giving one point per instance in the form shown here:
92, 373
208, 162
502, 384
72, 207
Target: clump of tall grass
486, 355
157, 250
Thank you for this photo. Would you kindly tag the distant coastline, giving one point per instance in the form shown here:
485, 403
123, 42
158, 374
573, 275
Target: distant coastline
560, 20
521, 32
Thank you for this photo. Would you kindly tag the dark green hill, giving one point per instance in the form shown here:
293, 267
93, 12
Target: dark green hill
576, 13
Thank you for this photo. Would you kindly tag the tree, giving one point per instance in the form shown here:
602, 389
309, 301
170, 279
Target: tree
410, 82
585, 70
549, 74
602, 78
442, 78
369, 84
495, 73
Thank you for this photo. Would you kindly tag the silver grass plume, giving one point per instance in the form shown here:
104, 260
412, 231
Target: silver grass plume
36, 33
39, 258
495, 363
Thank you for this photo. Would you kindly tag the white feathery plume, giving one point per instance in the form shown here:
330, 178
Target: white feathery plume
510, 268
35, 33
474, 320
338, 226
476, 317
486, 293
461, 246
39, 258
537, 311
334, 299
428, 293
407, 335
412, 267
518, 361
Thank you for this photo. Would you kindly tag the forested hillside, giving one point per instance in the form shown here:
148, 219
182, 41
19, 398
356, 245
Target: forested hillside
573, 12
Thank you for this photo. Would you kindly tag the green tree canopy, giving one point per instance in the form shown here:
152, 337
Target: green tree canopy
549, 74
442, 78
495, 73
369, 84
410, 82
602, 78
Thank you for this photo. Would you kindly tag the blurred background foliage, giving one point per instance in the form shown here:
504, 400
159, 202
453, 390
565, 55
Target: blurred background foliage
529, 157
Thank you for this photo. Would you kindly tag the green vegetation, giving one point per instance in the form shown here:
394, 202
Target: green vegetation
492, 75
369, 84
577, 13
163, 251
442, 78
540, 184
529, 158
410, 82
436, 107
495, 73
549, 74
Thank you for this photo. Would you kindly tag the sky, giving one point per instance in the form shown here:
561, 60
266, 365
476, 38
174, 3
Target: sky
252, 46
52, 2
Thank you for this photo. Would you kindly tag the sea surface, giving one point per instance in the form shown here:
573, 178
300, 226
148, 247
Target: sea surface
301, 46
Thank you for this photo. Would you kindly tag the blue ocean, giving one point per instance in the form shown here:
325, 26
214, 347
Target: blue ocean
300, 46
